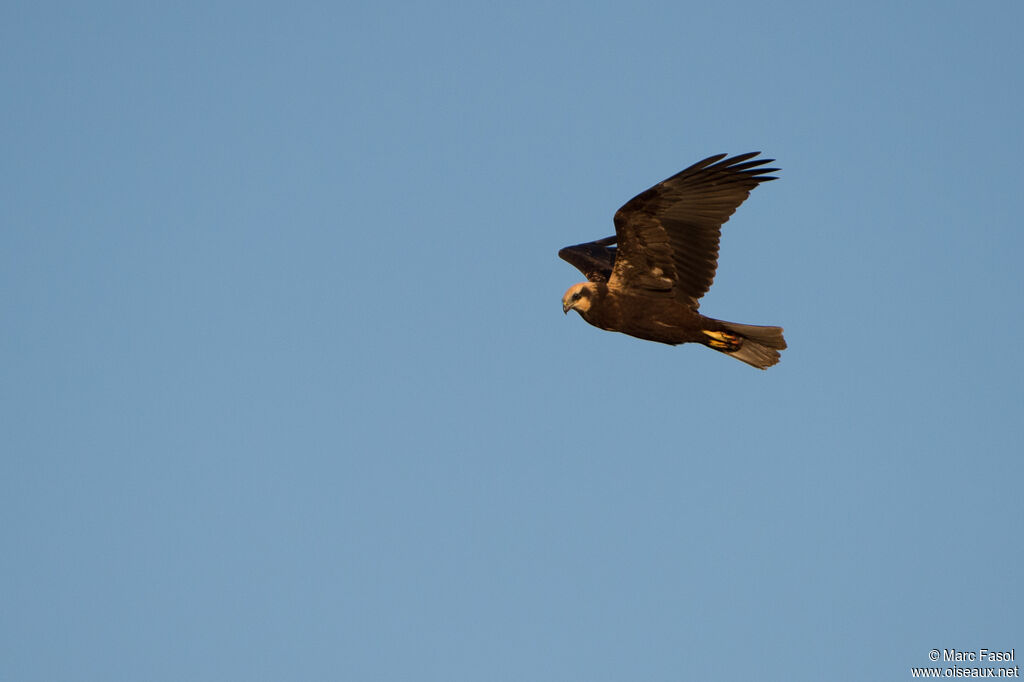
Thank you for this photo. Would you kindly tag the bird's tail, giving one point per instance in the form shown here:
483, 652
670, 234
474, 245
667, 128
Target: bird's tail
755, 345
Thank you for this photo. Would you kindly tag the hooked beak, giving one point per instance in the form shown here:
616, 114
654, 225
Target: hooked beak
566, 307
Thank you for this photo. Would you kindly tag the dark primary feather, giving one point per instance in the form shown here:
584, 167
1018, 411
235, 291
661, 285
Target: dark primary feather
668, 235
593, 259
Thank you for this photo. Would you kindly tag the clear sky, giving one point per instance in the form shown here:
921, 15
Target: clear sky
288, 394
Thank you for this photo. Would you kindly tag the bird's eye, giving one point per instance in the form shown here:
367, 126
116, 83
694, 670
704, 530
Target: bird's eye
576, 296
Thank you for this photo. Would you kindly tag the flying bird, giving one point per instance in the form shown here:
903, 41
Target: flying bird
646, 280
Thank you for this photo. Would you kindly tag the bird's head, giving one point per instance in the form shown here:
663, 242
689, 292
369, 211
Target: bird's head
579, 298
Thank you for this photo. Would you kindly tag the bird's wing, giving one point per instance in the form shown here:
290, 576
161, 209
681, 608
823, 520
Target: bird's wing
594, 259
668, 235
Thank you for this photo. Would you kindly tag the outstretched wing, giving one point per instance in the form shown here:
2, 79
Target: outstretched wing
594, 259
668, 235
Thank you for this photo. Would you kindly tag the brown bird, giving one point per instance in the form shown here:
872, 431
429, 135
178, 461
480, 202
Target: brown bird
649, 285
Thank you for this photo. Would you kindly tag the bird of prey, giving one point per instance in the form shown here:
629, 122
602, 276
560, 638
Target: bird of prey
646, 280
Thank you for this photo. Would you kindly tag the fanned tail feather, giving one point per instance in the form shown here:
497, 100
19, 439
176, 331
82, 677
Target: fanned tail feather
759, 346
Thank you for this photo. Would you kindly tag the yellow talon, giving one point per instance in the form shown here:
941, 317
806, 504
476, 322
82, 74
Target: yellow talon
726, 341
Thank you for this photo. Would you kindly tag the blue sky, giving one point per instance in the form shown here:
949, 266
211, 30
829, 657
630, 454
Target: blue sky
288, 392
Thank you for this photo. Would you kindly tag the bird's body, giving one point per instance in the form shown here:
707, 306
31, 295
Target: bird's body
649, 285
655, 319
